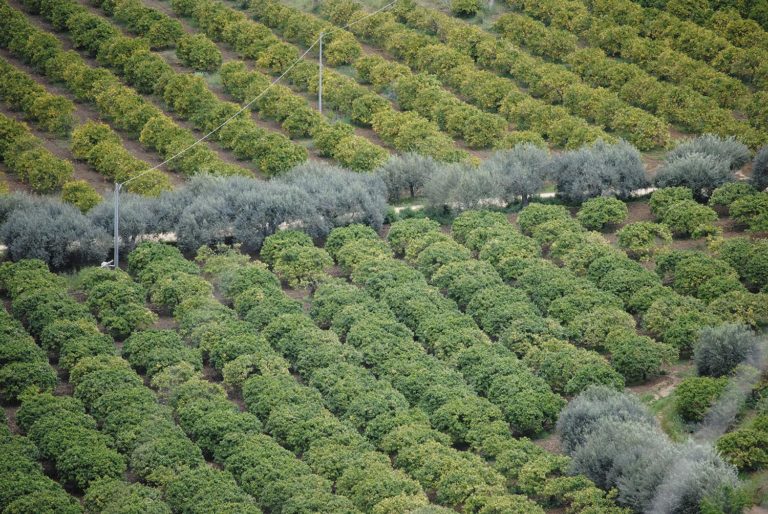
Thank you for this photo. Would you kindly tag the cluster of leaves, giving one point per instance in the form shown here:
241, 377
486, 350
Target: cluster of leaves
749, 257
615, 441
695, 395
198, 52
643, 239
752, 211
158, 29
745, 447
675, 208
116, 300
100, 146
45, 228
598, 212
720, 350
22, 363
80, 194
24, 486
697, 274
295, 259
52, 113
25, 156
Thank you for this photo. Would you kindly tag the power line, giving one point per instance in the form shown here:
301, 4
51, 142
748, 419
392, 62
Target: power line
242, 109
319, 40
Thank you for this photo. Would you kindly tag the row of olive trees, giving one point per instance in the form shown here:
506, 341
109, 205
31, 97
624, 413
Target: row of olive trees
208, 210
701, 164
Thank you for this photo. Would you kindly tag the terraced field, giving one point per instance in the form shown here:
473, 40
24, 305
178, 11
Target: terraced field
516, 264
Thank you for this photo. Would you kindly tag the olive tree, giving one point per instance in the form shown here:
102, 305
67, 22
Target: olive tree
720, 349
408, 172
519, 172
760, 169
55, 232
601, 169
729, 150
701, 173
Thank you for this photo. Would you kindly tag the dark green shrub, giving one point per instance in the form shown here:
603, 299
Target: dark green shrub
18, 376
111, 495
752, 210
595, 213
536, 214
638, 358
527, 402
343, 235
465, 7
198, 52
695, 395
80, 194
745, 448
468, 221
688, 218
280, 241
643, 239
401, 233
728, 193
82, 464
661, 199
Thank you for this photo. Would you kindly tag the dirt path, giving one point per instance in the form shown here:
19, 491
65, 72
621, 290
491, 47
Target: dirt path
662, 386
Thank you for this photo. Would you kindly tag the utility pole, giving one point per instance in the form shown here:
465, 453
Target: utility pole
320, 80
116, 256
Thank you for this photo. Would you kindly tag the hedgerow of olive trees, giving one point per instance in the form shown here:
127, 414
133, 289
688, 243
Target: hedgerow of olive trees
601, 169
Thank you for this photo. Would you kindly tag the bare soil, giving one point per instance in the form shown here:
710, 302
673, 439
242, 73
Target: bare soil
662, 386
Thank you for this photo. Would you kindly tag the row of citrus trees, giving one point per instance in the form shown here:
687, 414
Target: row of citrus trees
53, 113
665, 74
459, 119
483, 89
404, 131
186, 95
548, 82
728, 44
119, 104
649, 57
551, 80
112, 421
334, 455
372, 380
298, 118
